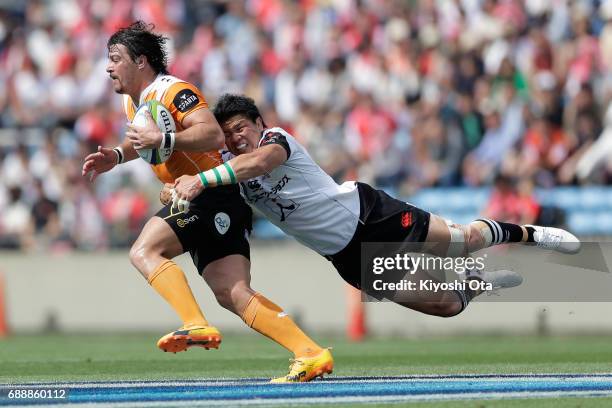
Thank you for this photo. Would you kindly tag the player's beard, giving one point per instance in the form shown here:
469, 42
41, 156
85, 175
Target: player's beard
117, 85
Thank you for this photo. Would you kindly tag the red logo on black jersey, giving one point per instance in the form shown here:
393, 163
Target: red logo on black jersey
276, 138
406, 219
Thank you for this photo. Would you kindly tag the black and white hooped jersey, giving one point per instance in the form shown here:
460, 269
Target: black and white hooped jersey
302, 200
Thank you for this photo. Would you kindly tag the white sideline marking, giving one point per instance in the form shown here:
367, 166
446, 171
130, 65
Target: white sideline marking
336, 400
331, 380
433, 396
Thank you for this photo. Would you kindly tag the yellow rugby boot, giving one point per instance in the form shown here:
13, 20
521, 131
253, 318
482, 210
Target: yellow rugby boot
304, 369
180, 340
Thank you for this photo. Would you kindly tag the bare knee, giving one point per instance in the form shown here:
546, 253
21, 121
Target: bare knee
145, 258
475, 239
157, 242
138, 255
232, 297
435, 308
229, 279
445, 309
224, 297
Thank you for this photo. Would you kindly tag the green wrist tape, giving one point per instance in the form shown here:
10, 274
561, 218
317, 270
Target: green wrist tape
203, 179
217, 175
230, 171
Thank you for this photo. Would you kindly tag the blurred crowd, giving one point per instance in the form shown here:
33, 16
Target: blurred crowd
403, 94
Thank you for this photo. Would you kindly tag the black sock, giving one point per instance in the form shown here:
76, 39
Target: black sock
471, 293
466, 296
503, 232
530, 231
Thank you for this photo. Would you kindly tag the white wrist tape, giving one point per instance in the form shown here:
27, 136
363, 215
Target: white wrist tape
120, 156
179, 203
221, 175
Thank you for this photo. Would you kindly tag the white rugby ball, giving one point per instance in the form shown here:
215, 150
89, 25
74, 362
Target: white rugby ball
163, 118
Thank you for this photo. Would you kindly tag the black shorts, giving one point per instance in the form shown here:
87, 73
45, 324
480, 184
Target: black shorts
382, 219
217, 225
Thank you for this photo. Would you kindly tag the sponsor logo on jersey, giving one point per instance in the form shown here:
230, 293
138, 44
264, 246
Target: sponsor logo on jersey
253, 185
222, 222
181, 222
185, 100
279, 186
273, 138
281, 206
276, 138
258, 192
406, 219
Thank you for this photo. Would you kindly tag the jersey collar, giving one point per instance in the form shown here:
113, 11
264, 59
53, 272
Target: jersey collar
146, 91
263, 133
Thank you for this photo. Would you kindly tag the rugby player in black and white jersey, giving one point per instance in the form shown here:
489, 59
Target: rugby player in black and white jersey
281, 180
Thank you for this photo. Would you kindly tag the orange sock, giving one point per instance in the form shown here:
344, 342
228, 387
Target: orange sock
170, 282
270, 320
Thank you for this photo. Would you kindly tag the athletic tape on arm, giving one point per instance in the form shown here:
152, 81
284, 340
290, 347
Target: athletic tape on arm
456, 246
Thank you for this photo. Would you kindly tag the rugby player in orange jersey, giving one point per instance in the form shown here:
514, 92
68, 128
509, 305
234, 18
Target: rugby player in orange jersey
215, 229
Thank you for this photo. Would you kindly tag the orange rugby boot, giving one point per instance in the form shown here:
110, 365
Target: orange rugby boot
304, 369
180, 340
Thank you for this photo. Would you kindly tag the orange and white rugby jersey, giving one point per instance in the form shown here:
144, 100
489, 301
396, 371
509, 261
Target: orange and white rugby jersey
181, 98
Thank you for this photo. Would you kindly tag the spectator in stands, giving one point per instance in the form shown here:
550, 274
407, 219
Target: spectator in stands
435, 154
341, 74
596, 162
471, 121
16, 224
502, 130
125, 212
45, 216
15, 167
544, 148
512, 201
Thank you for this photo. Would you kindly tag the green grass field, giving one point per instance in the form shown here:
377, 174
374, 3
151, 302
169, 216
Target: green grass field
29, 358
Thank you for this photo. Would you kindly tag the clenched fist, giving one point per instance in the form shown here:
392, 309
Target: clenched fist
165, 195
188, 187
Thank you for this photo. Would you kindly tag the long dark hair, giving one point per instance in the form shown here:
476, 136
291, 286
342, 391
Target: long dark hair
139, 39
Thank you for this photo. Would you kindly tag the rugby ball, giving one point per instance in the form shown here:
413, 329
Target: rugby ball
163, 118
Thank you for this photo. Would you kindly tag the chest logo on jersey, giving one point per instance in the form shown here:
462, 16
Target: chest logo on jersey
254, 185
185, 100
281, 207
259, 193
222, 222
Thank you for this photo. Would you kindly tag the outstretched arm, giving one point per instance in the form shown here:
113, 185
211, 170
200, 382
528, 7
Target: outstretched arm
105, 159
240, 168
258, 162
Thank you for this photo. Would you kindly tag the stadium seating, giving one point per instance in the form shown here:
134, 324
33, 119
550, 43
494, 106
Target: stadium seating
588, 209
